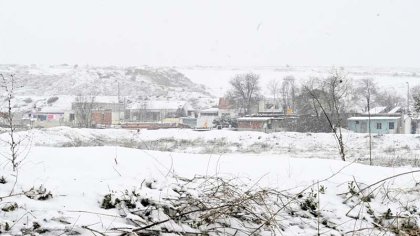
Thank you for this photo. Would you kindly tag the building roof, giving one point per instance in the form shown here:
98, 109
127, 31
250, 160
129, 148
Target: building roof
210, 110
375, 118
376, 110
258, 118
157, 105
106, 99
395, 110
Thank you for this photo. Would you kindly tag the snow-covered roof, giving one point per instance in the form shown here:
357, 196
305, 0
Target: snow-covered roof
394, 110
63, 103
376, 110
258, 118
375, 118
106, 99
210, 110
157, 105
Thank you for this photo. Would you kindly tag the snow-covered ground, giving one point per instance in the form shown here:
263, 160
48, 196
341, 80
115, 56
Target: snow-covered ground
79, 178
388, 150
304, 195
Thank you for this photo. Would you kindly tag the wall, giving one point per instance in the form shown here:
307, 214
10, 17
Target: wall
363, 126
191, 122
407, 125
205, 121
102, 117
116, 117
253, 125
149, 115
229, 112
171, 120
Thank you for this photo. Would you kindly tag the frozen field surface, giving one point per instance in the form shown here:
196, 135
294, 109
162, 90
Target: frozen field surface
388, 150
115, 190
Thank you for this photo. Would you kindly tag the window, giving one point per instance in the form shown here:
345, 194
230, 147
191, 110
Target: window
269, 106
357, 122
378, 125
391, 125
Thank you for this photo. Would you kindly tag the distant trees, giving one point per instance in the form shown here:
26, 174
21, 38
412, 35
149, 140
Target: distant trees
415, 93
283, 92
288, 93
328, 97
245, 91
367, 90
306, 103
180, 112
417, 104
274, 88
83, 108
367, 93
51, 100
225, 122
389, 99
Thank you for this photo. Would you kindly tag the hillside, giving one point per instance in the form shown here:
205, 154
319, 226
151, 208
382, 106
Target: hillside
133, 82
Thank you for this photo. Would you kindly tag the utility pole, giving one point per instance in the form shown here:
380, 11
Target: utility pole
408, 98
118, 84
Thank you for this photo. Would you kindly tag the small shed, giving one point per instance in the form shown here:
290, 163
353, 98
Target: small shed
156, 110
206, 117
260, 123
381, 124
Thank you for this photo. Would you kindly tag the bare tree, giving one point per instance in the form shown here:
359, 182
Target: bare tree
366, 89
8, 84
288, 93
305, 102
274, 88
389, 98
415, 93
83, 107
245, 90
329, 95
18, 145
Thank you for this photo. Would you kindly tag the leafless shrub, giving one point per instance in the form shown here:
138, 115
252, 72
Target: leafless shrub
214, 206
401, 218
51, 100
40, 193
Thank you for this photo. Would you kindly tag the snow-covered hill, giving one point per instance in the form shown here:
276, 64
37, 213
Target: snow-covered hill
130, 82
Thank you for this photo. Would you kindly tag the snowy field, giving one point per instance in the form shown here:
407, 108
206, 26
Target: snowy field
115, 182
388, 150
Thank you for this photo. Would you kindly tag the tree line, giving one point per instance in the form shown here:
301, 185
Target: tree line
337, 93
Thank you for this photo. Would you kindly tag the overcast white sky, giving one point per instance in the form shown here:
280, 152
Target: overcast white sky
214, 32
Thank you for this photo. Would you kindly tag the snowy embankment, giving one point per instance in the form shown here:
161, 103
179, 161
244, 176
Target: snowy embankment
115, 190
